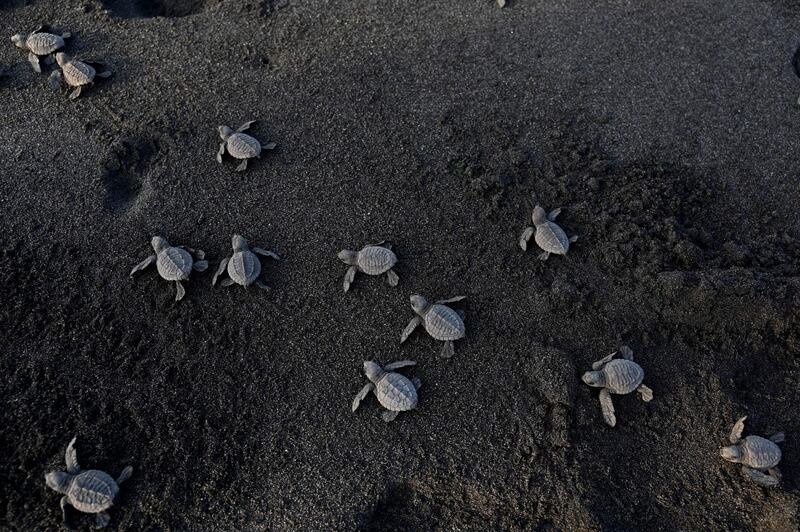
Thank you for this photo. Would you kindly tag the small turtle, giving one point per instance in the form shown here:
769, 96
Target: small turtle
240, 145
395, 392
243, 267
40, 44
441, 322
173, 263
619, 376
549, 236
373, 259
76, 74
90, 491
756, 454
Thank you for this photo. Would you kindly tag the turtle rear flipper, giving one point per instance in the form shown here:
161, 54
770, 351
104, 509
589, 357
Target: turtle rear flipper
101, 520
544, 255
626, 352
125, 475
262, 285
269, 146
394, 279
389, 415
200, 265
448, 350
242, 166
768, 481
607, 406
76, 93
227, 282
778, 437
49, 60
645, 392
55, 80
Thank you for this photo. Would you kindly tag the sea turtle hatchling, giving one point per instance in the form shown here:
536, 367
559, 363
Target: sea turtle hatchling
395, 392
243, 266
240, 145
40, 43
373, 259
173, 263
90, 491
756, 454
549, 236
76, 74
441, 322
618, 376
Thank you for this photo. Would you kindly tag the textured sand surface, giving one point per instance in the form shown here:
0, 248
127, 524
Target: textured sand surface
668, 132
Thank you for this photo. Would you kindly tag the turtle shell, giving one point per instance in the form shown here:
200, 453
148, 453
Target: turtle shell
444, 323
623, 376
759, 453
77, 73
174, 264
92, 491
550, 237
243, 146
244, 267
396, 392
44, 43
375, 260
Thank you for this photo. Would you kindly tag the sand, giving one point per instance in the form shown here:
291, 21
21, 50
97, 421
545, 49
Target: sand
667, 132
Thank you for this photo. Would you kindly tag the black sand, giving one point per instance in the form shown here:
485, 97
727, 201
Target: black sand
668, 131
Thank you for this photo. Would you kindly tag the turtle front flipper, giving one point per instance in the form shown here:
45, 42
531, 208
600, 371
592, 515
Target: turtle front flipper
603, 361
266, 253
415, 321
394, 279
76, 93
738, 428
144, 264
553, 214
607, 406
200, 265
261, 284
417, 383
242, 166
645, 392
526, 235
349, 276
102, 519
245, 126
33, 59
399, 364
55, 80
64, 503
71, 457
223, 265
227, 282
448, 350
180, 291
768, 481
626, 352
778, 437
455, 299
125, 475
221, 152
573, 239
389, 415
49, 60
361, 395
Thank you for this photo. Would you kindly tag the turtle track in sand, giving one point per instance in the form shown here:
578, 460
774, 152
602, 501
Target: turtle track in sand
125, 172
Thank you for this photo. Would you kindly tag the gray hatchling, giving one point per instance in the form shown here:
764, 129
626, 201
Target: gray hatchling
239, 145
441, 322
620, 376
243, 266
39, 43
759, 456
90, 491
549, 236
373, 259
76, 74
395, 392
173, 263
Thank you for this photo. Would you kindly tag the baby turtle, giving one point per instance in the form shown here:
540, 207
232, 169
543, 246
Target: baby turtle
549, 236
76, 74
395, 392
173, 263
39, 43
441, 322
243, 267
619, 376
373, 259
90, 491
240, 145
756, 454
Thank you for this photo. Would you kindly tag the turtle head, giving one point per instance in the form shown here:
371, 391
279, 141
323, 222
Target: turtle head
419, 304
594, 378
159, 244
239, 243
225, 132
19, 40
62, 59
373, 370
58, 481
347, 256
731, 453
539, 215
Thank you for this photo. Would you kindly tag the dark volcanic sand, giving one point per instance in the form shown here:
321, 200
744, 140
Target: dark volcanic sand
668, 131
